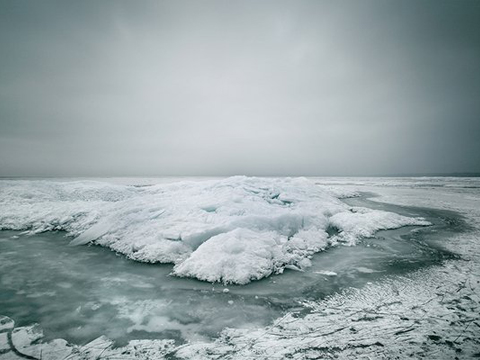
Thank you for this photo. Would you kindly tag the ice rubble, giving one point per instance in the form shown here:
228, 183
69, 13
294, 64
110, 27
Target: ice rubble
232, 230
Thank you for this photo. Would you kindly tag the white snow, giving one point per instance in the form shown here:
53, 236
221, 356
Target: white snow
232, 230
362, 222
430, 313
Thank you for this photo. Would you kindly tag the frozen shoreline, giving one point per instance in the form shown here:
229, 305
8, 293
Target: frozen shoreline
431, 312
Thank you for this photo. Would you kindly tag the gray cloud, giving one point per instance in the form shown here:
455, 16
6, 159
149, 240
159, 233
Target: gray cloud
231, 87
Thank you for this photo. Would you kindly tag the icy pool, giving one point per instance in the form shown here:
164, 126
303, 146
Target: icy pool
82, 292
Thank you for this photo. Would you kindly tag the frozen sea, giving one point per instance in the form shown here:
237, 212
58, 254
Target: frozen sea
239, 268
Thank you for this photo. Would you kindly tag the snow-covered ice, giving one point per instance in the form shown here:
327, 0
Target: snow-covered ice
232, 230
362, 222
428, 313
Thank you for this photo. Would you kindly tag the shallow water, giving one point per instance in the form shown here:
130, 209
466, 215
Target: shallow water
80, 293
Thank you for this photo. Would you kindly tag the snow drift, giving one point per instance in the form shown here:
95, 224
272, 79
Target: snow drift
233, 230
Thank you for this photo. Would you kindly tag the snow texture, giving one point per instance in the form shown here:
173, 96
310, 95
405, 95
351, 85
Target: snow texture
232, 230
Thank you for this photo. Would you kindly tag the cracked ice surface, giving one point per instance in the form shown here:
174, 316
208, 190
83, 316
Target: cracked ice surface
233, 230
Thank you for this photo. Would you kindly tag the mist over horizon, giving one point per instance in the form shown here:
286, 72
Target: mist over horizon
214, 88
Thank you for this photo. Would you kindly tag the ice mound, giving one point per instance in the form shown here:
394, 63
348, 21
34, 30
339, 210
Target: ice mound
233, 230
243, 255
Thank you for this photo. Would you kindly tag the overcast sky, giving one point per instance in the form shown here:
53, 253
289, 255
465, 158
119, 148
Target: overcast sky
111, 88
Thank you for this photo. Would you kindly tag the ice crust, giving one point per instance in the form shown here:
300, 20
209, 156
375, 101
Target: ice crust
232, 230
